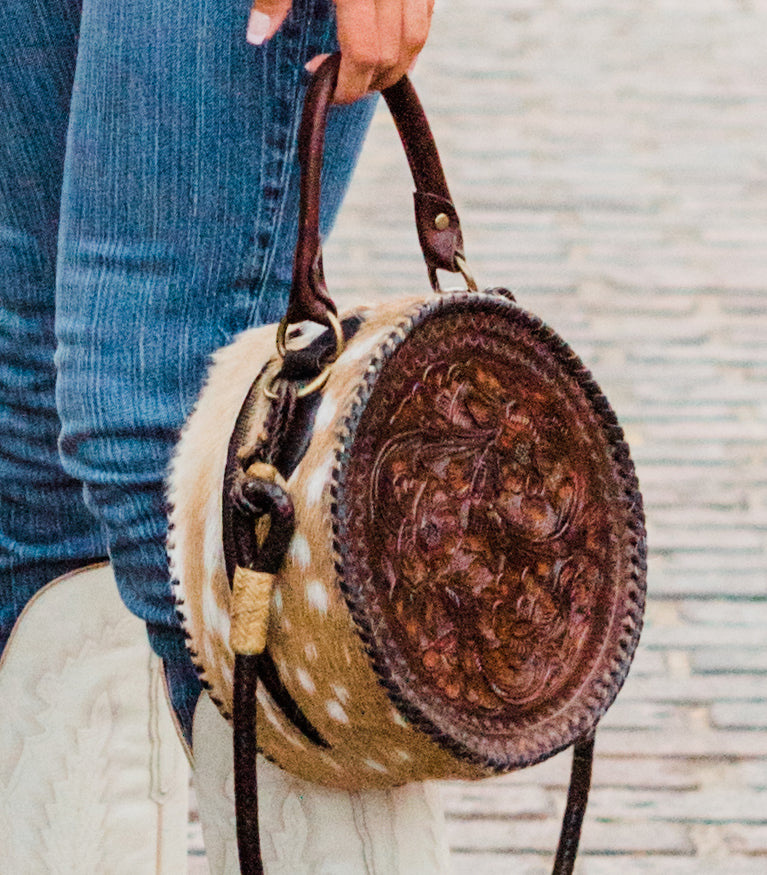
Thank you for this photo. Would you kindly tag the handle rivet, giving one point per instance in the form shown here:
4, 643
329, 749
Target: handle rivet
442, 222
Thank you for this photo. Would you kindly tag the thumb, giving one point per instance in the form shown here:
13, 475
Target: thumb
265, 20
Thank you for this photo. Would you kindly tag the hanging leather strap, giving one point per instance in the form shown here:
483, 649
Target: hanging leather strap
439, 230
577, 799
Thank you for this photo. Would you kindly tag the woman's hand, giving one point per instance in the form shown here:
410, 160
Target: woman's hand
379, 39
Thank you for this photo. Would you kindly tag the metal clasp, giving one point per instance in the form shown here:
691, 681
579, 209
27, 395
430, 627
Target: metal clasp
468, 278
319, 381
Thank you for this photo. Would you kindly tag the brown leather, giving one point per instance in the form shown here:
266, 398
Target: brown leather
309, 295
245, 778
577, 799
441, 246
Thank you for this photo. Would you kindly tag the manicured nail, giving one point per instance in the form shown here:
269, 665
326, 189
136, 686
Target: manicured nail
258, 27
315, 63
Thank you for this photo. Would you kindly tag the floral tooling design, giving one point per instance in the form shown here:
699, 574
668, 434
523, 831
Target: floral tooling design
491, 538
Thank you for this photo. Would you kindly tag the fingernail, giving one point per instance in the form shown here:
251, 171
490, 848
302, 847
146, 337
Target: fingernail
258, 27
315, 63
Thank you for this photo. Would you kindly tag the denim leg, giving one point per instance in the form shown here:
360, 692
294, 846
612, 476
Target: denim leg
177, 229
45, 528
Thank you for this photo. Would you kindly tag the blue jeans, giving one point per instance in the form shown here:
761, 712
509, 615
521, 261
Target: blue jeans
148, 207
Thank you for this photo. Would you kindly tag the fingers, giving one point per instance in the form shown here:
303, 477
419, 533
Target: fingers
380, 41
265, 19
417, 21
359, 39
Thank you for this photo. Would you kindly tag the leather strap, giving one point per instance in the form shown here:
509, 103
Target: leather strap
439, 230
245, 741
577, 799
247, 498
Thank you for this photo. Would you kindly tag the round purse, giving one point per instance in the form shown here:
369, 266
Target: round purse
409, 542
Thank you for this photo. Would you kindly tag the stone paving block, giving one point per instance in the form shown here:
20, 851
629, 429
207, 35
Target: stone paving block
644, 772
729, 387
624, 837
657, 864
489, 799
744, 838
725, 562
750, 773
640, 771
743, 715
665, 865
702, 805
553, 772
700, 743
730, 660
744, 585
743, 304
688, 636
644, 715
690, 410
695, 690
675, 453
195, 843
724, 430
724, 519
648, 663
714, 804
715, 612
739, 541
501, 864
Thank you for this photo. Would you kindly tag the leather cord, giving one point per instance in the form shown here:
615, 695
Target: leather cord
245, 764
252, 498
577, 799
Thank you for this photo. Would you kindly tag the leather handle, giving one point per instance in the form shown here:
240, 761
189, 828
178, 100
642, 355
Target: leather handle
439, 230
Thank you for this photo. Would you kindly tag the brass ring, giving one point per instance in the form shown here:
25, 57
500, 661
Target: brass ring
282, 331
471, 283
463, 268
319, 381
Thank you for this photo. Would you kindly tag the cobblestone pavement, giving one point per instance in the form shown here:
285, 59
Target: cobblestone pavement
609, 161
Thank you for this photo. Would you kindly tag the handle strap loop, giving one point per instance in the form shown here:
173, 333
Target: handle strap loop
439, 229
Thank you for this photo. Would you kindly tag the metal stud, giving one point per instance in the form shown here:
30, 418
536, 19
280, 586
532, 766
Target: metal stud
442, 222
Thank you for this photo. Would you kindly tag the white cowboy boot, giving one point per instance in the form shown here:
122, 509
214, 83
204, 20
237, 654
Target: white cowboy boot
308, 829
93, 777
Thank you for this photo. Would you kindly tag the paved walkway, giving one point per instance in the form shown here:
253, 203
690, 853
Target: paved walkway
609, 161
